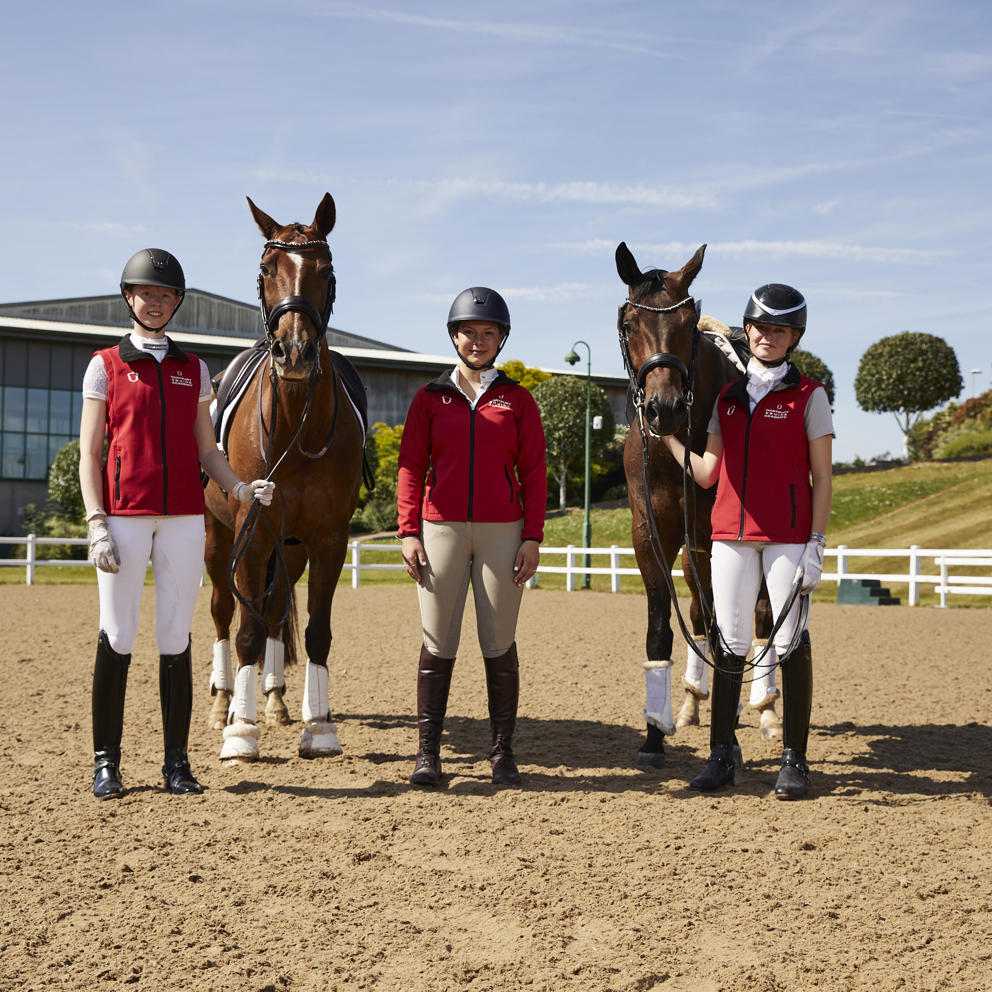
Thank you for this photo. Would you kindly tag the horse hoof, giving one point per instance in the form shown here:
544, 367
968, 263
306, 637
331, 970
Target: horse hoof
240, 742
217, 720
770, 724
276, 714
319, 740
650, 759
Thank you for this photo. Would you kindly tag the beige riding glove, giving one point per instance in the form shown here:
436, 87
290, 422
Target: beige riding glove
261, 490
103, 551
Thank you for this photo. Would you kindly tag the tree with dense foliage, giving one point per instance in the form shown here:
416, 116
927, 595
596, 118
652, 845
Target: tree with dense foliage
814, 367
528, 377
63, 482
907, 374
562, 402
377, 510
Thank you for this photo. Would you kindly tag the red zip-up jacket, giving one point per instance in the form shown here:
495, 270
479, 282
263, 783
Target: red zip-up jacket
460, 464
764, 492
153, 462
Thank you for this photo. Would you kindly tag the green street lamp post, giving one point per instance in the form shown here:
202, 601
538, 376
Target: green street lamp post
572, 357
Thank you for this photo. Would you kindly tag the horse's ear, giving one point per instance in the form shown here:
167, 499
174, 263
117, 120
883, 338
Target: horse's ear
323, 219
690, 270
626, 266
266, 224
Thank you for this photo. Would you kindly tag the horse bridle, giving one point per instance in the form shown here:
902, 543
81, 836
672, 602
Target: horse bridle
298, 304
660, 359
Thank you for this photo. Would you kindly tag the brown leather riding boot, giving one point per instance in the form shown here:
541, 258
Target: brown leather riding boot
433, 684
797, 703
503, 685
109, 688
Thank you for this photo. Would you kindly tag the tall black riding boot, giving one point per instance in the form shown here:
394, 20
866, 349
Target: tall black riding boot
726, 694
109, 689
175, 683
797, 702
433, 684
503, 685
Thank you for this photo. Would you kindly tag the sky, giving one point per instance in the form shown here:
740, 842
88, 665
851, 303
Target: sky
843, 148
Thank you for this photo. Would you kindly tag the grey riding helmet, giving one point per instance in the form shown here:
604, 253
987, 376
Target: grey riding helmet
776, 303
153, 267
483, 304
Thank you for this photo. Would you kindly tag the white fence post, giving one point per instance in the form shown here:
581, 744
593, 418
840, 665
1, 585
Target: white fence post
914, 574
356, 563
841, 562
614, 565
570, 565
943, 582
32, 554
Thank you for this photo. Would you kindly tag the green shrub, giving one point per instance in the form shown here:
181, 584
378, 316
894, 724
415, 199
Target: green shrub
964, 440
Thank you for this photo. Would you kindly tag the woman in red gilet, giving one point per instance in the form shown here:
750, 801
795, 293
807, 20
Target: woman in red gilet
769, 445
150, 400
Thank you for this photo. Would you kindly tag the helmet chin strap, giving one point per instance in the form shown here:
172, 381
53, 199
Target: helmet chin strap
771, 365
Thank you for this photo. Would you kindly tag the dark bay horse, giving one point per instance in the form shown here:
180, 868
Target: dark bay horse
676, 373
295, 425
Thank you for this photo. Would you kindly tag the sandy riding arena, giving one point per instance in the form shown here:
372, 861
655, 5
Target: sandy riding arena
292, 875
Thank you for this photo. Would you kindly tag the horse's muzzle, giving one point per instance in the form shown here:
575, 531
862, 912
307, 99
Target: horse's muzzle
295, 358
665, 414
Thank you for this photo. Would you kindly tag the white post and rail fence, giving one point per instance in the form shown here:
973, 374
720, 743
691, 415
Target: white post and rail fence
946, 571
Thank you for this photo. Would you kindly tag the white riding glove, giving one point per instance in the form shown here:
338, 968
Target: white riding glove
811, 563
103, 550
260, 489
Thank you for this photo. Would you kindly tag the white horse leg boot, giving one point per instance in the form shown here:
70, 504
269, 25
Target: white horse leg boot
764, 692
274, 682
319, 737
221, 685
241, 735
697, 687
657, 712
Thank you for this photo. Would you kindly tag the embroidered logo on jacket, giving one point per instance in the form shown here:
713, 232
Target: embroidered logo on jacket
777, 414
178, 379
500, 403
132, 377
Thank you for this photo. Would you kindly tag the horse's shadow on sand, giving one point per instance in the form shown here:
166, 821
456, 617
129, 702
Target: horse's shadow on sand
903, 763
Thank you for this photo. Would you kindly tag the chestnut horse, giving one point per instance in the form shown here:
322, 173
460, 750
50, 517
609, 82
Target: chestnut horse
296, 426
676, 372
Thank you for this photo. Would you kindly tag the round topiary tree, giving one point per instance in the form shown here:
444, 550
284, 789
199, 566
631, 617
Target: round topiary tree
814, 367
907, 374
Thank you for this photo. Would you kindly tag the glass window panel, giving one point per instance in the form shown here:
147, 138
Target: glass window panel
13, 456
56, 442
14, 398
36, 452
60, 411
37, 418
77, 412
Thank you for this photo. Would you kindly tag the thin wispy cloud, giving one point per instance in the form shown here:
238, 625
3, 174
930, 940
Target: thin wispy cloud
518, 32
828, 250
553, 293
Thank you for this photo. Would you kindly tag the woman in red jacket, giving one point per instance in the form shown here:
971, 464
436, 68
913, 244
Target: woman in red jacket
151, 401
769, 444
472, 492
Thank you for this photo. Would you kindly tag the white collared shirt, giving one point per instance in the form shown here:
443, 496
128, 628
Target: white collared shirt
487, 377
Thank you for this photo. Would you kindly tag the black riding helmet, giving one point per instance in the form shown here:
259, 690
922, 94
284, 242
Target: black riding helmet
776, 303
483, 304
153, 267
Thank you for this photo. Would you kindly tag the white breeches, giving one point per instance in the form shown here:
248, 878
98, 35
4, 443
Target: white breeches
175, 547
737, 569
